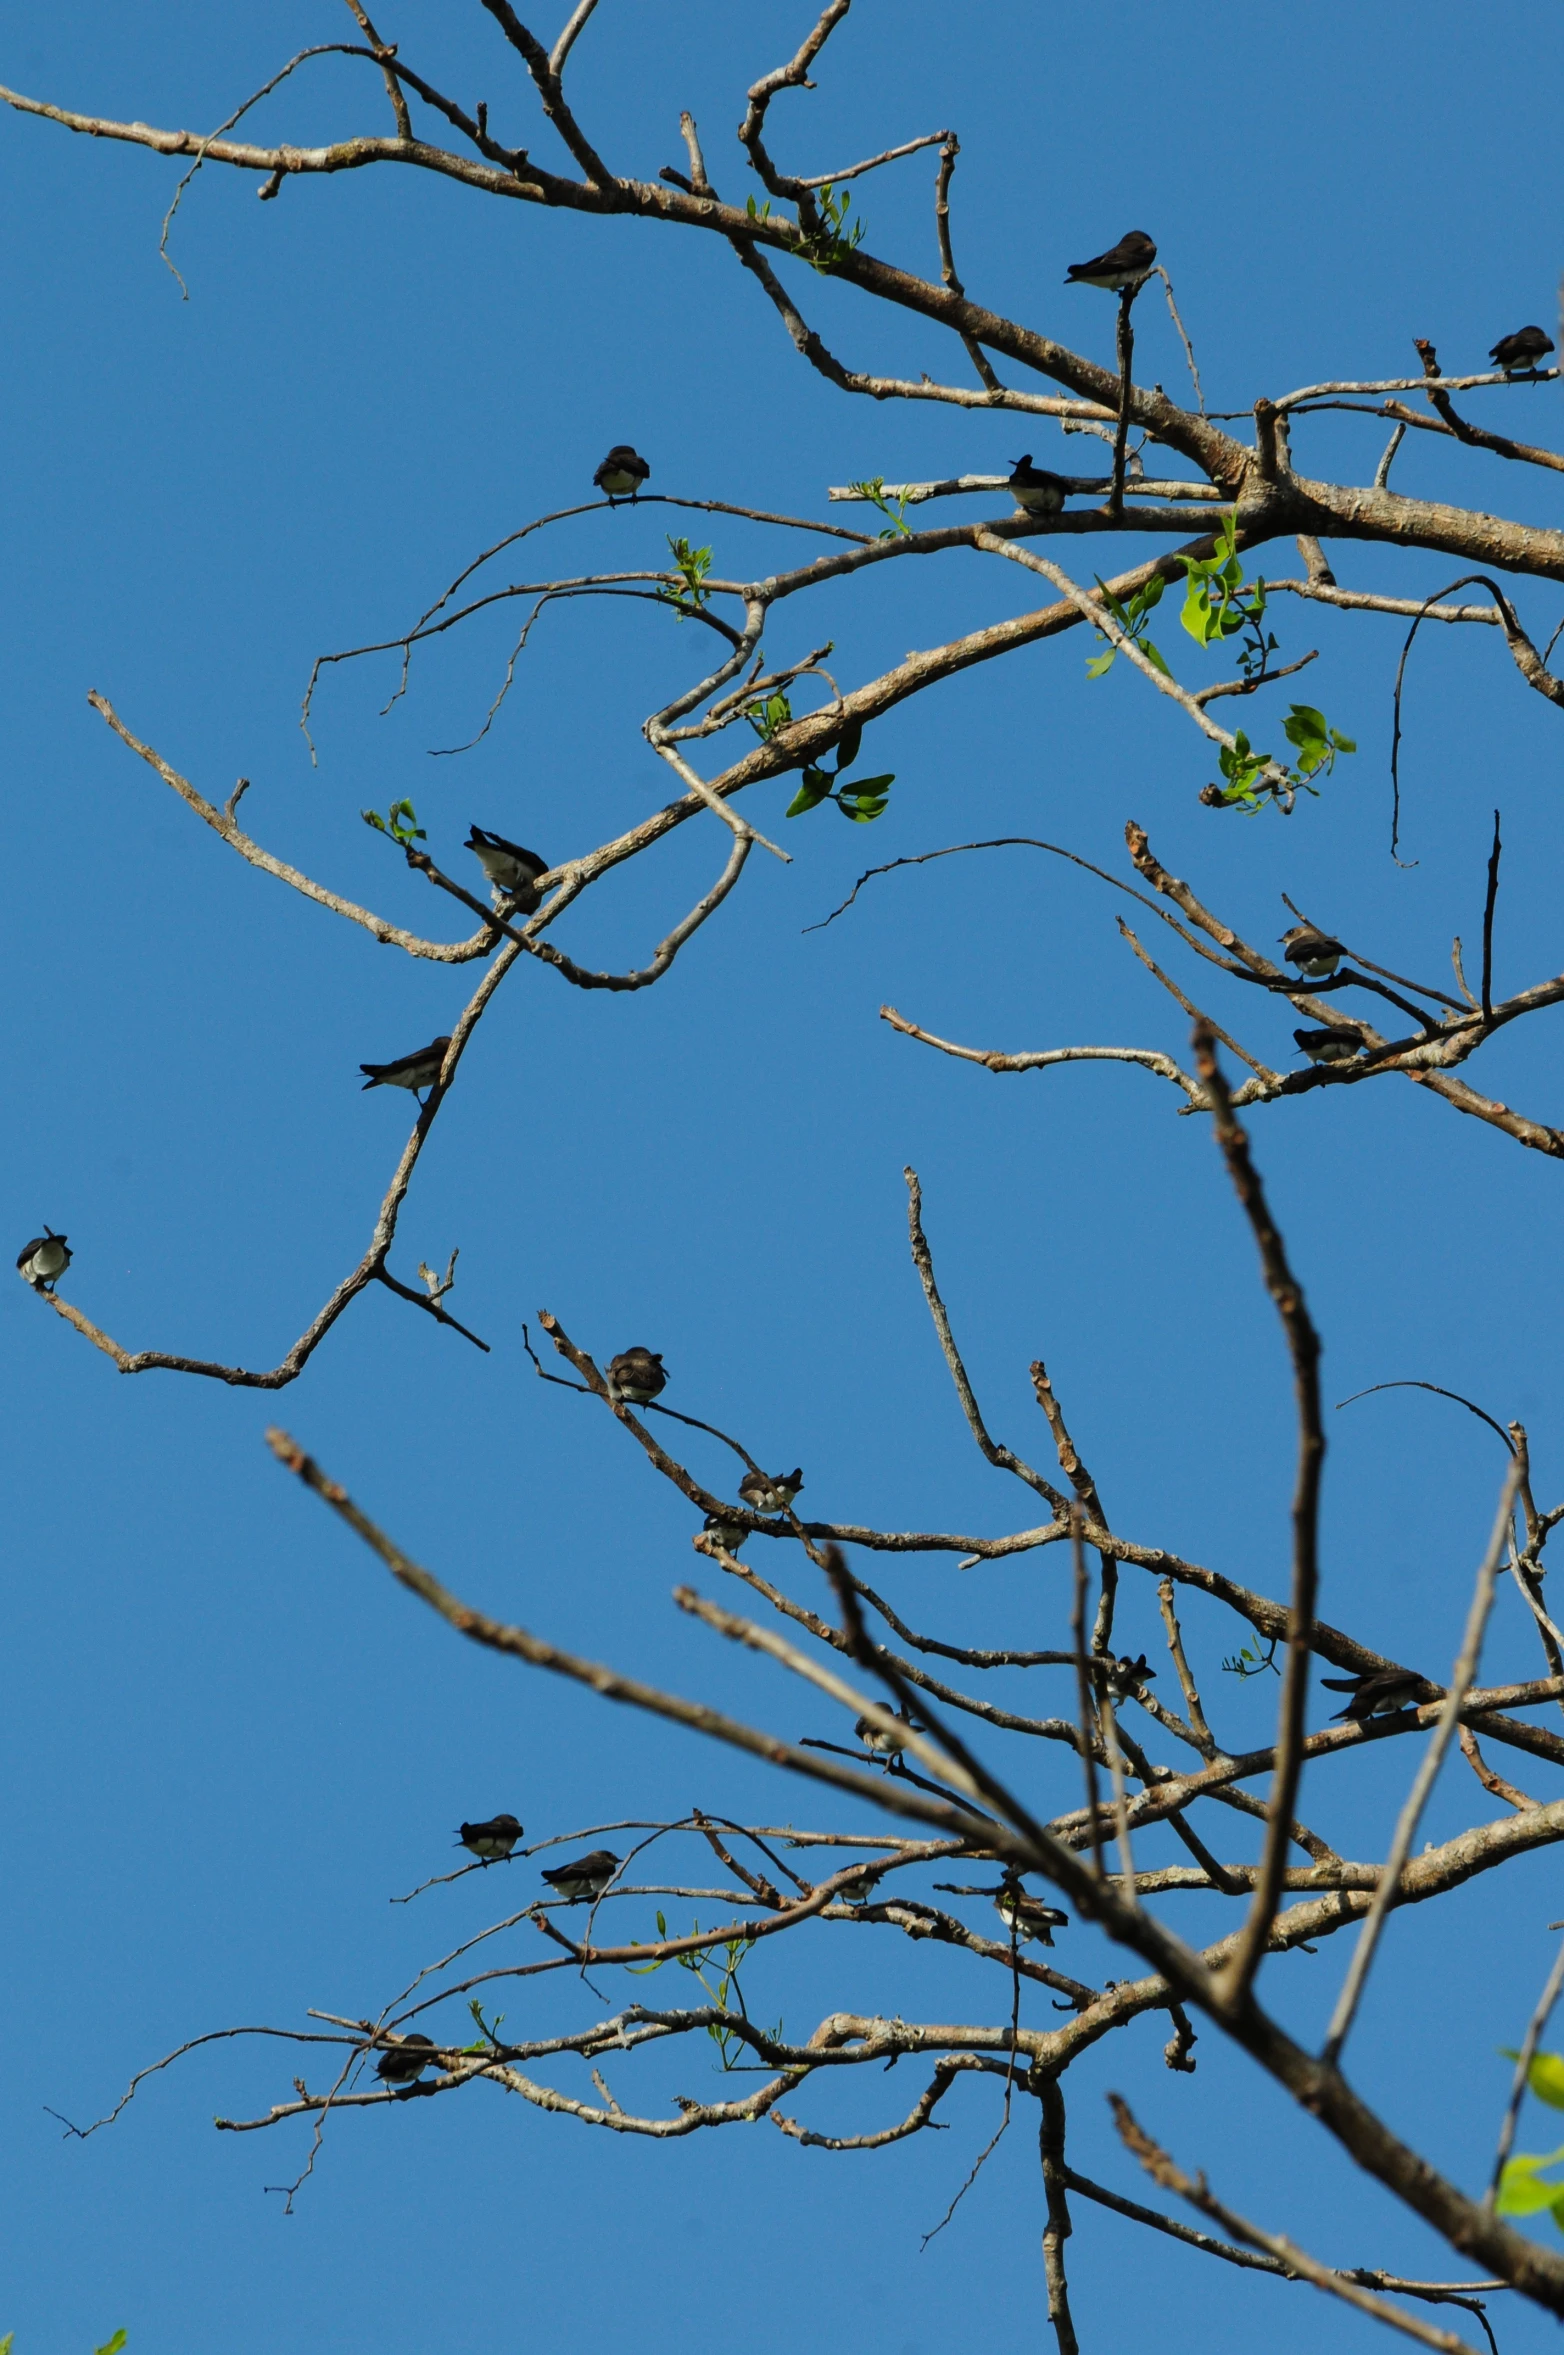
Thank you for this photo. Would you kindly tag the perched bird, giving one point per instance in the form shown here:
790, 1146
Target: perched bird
622, 473
1124, 264
859, 1889
1037, 492
637, 1374
1380, 1692
730, 1535
1125, 1674
415, 1071
44, 1260
1028, 1917
584, 1876
513, 871
764, 1493
1314, 952
881, 1740
406, 2060
1336, 1043
1526, 348
492, 1840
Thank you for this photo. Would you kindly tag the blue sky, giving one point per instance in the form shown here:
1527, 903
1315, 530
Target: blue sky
228, 1740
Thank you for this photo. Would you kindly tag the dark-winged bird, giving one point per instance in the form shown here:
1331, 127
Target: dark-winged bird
1334, 1044
44, 1260
491, 1840
1037, 492
1380, 1692
622, 473
1314, 952
730, 1535
1126, 1675
513, 871
859, 1889
881, 1740
1122, 265
1528, 347
406, 2060
415, 1071
584, 1876
1028, 1916
766, 1492
637, 1374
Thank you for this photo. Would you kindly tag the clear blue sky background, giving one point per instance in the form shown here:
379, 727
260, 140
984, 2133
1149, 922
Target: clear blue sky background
228, 1740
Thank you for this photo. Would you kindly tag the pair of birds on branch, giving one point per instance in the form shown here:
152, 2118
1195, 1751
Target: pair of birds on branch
583, 1877
1317, 956
636, 1376
1125, 265
514, 874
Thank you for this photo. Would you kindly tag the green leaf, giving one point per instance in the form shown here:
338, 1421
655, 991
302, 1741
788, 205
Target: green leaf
1304, 724
109, 2346
1342, 743
847, 745
810, 794
862, 808
1545, 2077
1520, 2192
1100, 664
1151, 593
370, 818
1154, 657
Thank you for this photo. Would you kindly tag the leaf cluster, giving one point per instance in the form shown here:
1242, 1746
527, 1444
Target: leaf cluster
692, 565
874, 492
1522, 2192
863, 804
725, 1994
401, 823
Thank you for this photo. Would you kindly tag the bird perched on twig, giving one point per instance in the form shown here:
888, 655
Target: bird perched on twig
1036, 491
406, 2060
584, 1876
859, 1889
1125, 1674
1526, 349
1380, 1692
766, 1492
636, 1375
881, 1739
1335, 1043
1314, 952
492, 1840
1028, 1917
730, 1535
1124, 264
621, 474
513, 871
418, 1070
44, 1260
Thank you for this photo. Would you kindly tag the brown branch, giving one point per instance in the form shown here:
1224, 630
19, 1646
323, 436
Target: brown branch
1304, 1349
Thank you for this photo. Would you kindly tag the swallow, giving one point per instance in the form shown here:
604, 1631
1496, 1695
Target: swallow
1380, 1692
765, 1494
1125, 1675
1314, 952
44, 1260
1028, 1917
513, 871
1523, 350
881, 1740
621, 474
1124, 264
584, 1876
636, 1375
1334, 1044
730, 1535
415, 1071
406, 2060
1037, 492
858, 1890
493, 1840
